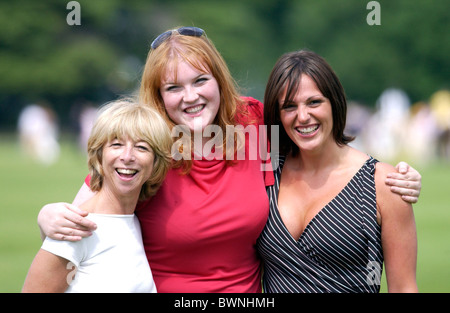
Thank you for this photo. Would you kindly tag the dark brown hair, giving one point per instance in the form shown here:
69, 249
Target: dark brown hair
287, 73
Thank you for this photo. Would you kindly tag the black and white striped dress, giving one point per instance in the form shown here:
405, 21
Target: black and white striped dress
339, 250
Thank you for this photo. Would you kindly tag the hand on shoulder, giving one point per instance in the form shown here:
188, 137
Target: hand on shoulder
387, 201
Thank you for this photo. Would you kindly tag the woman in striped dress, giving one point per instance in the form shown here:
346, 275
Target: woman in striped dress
333, 221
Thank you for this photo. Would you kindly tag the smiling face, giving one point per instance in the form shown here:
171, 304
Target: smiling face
294, 75
191, 97
126, 165
307, 119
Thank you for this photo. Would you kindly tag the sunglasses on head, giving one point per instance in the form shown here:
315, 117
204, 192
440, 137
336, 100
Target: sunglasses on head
185, 31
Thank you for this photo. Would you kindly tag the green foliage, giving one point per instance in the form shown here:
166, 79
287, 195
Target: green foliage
401, 52
43, 58
25, 186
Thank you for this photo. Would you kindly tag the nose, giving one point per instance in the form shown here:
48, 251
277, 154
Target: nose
190, 94
303, 114
127, 154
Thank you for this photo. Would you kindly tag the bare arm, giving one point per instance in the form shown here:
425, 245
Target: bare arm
48, 273
398, 235
64, 221
405, 181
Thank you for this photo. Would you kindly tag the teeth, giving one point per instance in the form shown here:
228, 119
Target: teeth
307, 130
194, 109
126, 171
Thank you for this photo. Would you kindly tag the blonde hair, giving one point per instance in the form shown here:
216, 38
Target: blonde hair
200, 53
122, 118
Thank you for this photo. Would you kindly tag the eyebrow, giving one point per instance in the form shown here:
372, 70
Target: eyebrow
307, 99
176, 82
315, 97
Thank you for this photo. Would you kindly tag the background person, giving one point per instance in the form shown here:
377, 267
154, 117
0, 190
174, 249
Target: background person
38, 133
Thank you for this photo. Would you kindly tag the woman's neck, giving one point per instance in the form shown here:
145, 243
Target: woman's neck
105, 202
318, 160
337, 160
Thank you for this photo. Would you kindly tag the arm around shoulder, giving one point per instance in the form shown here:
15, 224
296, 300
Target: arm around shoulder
64, 221
398, 235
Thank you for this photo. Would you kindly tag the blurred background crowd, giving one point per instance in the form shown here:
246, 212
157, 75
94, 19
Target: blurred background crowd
396, 75
395, 129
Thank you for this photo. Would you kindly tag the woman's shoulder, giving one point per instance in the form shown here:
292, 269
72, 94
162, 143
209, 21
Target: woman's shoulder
384, 168
384, 193
253, 104
252, 111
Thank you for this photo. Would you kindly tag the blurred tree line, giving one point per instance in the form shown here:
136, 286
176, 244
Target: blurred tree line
45, 60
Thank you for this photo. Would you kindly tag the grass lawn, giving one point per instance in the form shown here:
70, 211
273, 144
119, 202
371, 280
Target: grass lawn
25, 186
432, 214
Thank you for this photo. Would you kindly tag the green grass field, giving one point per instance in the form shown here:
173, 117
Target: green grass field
25, 186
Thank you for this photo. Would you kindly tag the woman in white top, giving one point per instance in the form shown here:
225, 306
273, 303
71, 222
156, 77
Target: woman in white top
128, 158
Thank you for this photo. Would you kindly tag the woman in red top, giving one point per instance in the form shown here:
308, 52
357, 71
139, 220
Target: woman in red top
201, 228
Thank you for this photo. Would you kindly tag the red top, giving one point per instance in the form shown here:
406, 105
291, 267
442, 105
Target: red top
200, 229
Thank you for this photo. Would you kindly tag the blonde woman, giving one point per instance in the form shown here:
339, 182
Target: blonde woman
128, 158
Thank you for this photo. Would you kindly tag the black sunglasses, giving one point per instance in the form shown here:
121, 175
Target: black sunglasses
185, 31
